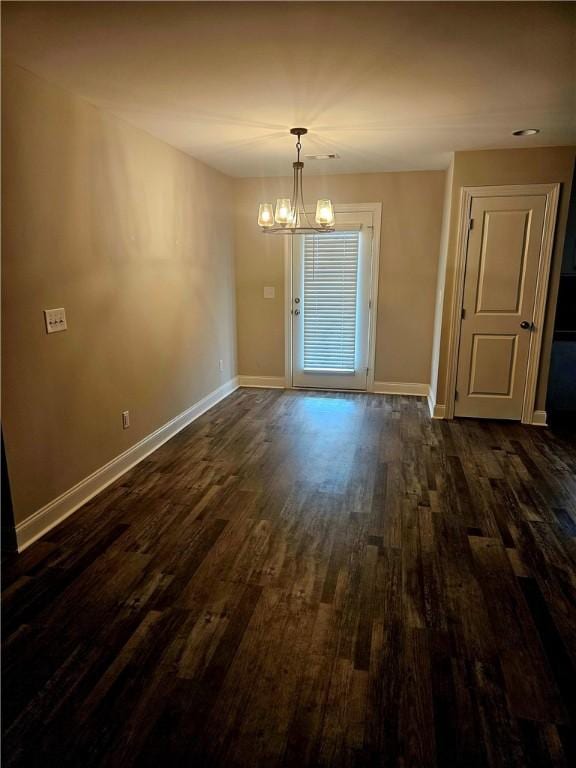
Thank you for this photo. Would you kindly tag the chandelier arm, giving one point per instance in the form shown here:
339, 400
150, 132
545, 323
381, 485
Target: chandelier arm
301, 190
303, 206
294, 196
298, 189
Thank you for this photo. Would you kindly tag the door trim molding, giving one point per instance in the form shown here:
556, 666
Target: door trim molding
467, 194
376, 210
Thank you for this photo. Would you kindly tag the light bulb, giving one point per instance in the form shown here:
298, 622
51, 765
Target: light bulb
266, 215
283, 214
324, 213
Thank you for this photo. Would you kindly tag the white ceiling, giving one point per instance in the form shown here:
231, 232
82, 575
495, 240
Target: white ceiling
387, 86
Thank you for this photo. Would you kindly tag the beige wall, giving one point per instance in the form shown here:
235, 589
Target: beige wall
509, 166
411, 221
133, 238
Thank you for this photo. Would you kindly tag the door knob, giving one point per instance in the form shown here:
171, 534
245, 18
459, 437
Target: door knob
525, 324
296, 311
297, 300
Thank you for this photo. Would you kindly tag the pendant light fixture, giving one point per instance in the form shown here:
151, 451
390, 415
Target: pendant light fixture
289, 216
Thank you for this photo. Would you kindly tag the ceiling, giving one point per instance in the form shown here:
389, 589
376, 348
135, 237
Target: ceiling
387, 86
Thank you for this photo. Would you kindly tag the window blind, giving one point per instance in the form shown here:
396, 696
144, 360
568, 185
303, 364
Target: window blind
330, 291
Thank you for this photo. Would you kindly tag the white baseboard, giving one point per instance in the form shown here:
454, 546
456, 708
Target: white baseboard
439, 412
267, 382
400, 388
540, 419
436, 411
46, 518
380, 387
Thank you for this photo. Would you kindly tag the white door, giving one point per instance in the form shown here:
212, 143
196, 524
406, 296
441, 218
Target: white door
331, 284
502, 269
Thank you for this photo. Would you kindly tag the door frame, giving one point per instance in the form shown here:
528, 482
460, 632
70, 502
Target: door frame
376, 210
467, 194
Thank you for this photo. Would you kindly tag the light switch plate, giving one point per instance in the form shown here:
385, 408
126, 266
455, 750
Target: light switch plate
55, 320
269, 292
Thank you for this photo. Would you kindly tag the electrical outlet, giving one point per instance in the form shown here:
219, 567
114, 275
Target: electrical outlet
221, 365
125, 419
55, 320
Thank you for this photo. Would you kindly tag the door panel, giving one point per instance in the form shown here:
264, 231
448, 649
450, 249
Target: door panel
502, 265
501, 280
492, 365
330, 306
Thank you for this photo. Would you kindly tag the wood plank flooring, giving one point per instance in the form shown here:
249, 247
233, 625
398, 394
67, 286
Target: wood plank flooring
306, 579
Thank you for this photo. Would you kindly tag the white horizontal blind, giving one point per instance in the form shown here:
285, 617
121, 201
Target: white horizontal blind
330, 293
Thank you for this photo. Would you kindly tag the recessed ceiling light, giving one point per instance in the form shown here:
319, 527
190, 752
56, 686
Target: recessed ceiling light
331, 156
526, 132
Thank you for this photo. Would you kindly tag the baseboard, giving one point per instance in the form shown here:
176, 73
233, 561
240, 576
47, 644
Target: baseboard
380, 387
439, 412
400, 388
46, 518
267, 382
539, 419
436, 411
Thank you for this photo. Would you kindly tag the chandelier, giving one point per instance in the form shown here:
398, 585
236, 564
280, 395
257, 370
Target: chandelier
290, 217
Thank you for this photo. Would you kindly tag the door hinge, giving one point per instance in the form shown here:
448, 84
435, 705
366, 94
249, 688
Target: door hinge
367, 370
470, 223
463, 315
456, 394
369, 303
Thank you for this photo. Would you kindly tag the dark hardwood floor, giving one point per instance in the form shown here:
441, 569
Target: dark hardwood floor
306, 579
